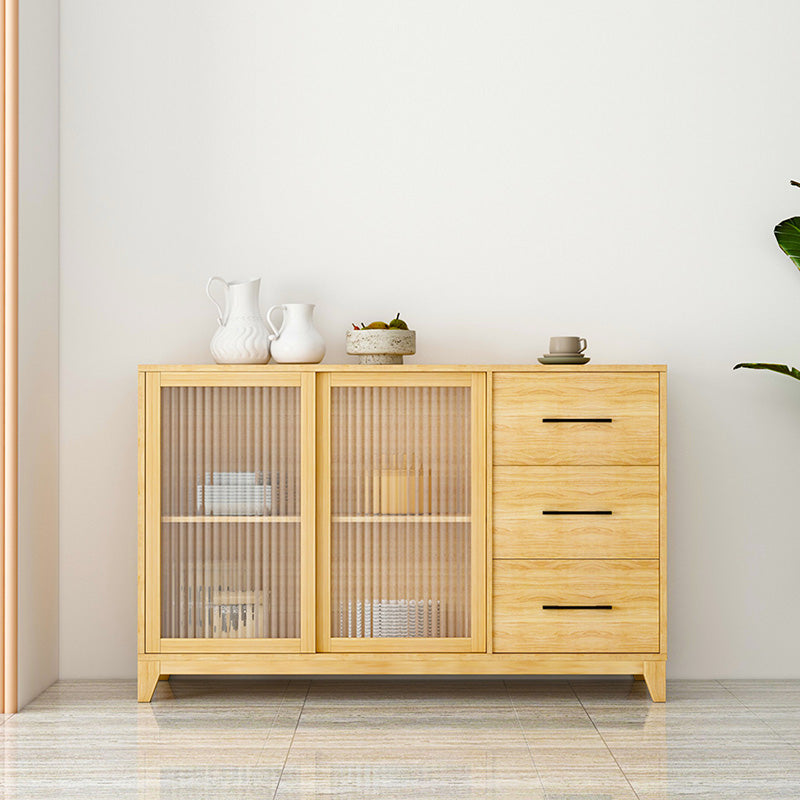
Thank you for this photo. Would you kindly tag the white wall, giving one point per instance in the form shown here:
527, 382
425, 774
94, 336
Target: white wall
38, 348
497, 171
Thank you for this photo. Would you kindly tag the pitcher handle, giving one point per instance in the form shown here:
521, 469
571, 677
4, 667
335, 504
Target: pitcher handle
276, 332
219, 307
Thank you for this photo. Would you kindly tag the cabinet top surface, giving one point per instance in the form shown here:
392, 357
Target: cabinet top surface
397, 368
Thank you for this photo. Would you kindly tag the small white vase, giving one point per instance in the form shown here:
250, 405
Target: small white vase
242, 336
297, 341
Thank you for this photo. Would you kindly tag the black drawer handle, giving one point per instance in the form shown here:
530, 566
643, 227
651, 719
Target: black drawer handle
593, 513
570, 608
577, 419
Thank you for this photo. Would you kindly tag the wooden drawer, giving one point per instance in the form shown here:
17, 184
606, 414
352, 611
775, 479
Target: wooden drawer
522, 589
574, 419
628, 498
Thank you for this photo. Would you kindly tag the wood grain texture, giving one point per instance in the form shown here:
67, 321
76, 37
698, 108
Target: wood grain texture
530, 559
308, 542
152, 580
147, 679
390, 644
230, 378
522, 587
140, 515
259, 369
397, 664
478, 510
420, 378
488, 555
323, 513
220, 520
663, 508
211, 645
522, 401
377, 519
521, 530
655, 676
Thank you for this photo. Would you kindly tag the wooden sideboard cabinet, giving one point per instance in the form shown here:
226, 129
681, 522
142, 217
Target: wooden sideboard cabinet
329, 519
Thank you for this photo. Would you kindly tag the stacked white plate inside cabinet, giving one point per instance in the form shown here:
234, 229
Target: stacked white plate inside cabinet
234, 494
391, 618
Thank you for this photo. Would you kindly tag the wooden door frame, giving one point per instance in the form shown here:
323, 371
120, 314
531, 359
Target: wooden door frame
150, 639
10, 163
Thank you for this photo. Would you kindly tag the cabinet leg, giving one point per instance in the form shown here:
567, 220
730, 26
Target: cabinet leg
655, 676
148, 680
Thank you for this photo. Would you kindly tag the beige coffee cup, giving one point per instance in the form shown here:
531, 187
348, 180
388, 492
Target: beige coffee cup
567, 345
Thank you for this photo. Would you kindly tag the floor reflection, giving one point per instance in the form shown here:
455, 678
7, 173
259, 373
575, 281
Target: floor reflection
406, 738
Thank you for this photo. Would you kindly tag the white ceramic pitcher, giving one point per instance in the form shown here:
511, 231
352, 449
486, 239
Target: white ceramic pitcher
242, 336
297, 341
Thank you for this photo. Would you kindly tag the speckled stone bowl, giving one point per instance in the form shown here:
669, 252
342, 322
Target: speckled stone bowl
381, 346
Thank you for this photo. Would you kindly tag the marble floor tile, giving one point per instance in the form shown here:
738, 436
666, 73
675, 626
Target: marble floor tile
421, 691
784, 722
658, 724
575, 765
430, 774
406, 722
539, 739
556, 724
538, 692
611, 691
718, 787
588, 786
229, 691
178, 783
765, 694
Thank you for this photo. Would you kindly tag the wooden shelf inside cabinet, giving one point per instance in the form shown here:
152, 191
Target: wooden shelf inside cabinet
404, 518
218, 520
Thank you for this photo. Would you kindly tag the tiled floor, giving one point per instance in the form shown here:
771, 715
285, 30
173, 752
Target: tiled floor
405, 738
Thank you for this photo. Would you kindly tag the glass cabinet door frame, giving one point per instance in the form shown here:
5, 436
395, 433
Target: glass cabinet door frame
150, 576
476, 383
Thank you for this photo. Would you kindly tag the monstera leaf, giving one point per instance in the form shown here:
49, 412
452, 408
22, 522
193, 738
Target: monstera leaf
781, 368
788, 235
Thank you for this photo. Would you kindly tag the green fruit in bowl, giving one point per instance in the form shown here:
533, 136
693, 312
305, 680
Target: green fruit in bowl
398, 323
377, 326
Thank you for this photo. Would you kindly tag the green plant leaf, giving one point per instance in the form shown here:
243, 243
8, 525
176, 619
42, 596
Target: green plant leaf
781, 368
788, 235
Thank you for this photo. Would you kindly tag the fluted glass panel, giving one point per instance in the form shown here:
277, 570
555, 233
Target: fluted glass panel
400, 535
230, 502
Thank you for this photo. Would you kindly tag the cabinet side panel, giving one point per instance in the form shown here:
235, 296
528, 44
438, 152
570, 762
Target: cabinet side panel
489, 515
663, 506
141, 510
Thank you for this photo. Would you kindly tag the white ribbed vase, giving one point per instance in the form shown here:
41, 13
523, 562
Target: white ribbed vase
242, 336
